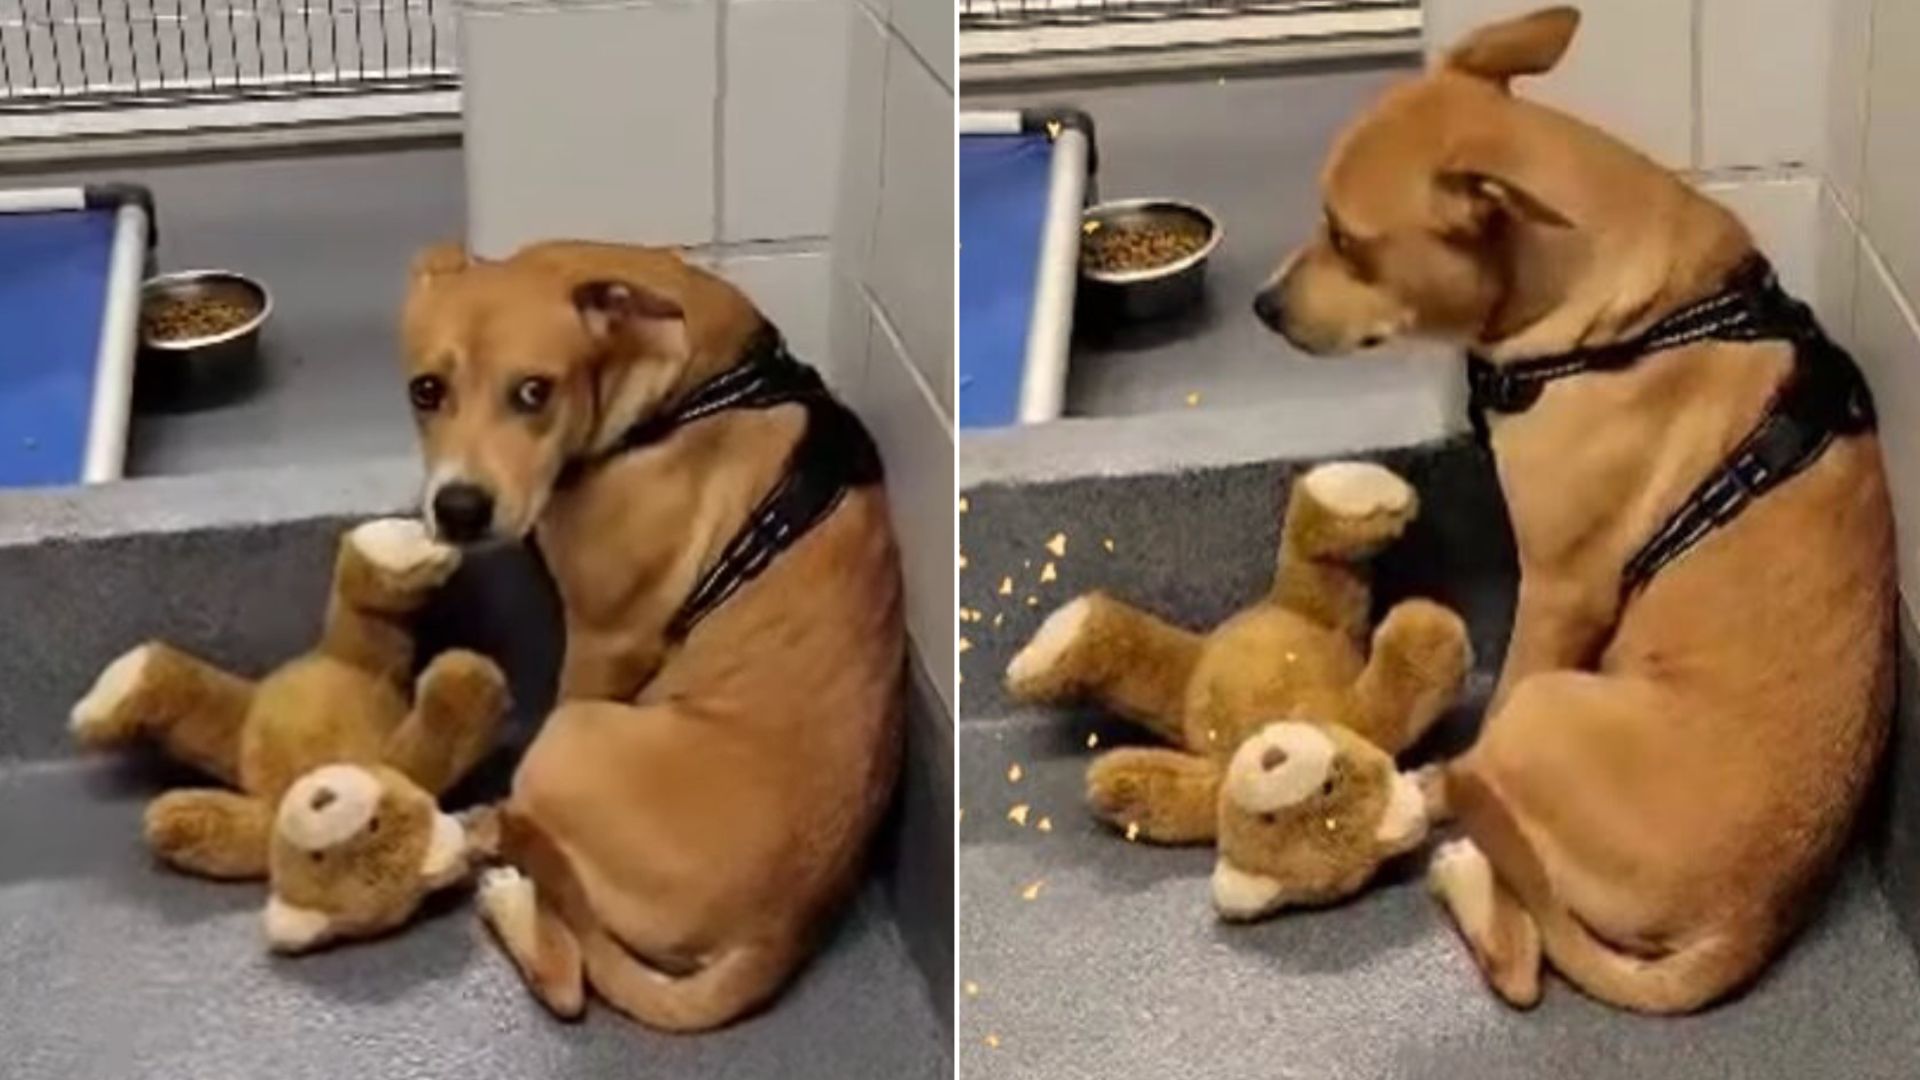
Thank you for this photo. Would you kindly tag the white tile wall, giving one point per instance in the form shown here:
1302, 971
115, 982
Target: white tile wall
1893, 140
1630, 69
590, 122
1781, 215
793, 291
927, 26
1762, 98
1836, 270
1848, 54
912, 270
1889, 351
857, 208
916, 441
786, 86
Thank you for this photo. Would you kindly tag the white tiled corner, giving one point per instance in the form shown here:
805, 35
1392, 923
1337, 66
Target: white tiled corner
917, 444
913, 251
1836, 269
849, 327
1762, 63
793, 291
1889, 351
1893, 140
785, 98
1849, 53
1781, 216
928, 26
590, 122
1630, 69
857, 208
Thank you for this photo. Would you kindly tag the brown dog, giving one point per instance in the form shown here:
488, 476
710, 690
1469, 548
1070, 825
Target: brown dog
1663, 780
697, 806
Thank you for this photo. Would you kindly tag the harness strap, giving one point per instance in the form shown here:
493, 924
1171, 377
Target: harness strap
833, 455
1823, 398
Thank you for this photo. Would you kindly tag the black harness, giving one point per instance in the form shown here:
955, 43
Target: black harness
1823, 398
834, 455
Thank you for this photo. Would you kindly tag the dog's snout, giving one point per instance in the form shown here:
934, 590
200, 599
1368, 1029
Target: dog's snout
462, 512
1266, 307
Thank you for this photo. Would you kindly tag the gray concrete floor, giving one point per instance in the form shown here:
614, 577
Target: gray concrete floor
115, 968
1249, 147
332, 236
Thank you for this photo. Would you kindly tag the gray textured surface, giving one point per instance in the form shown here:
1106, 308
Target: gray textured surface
116, 969
1118, 969
331, 235
1249, 148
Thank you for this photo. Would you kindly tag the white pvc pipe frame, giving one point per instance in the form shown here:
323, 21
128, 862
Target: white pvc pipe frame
1043, 381
109, 414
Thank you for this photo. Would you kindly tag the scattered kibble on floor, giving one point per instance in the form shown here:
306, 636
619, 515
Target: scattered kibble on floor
1032, 892
1046, 824
963, 504
1133, 830
1192, 400
965, 645
1048, 573
1108, 544
972, 988
1033, 601
1093, 739
1018, 814
963, 560
1006, 586
1058, 545
1014, 773
999, 617
993, 1041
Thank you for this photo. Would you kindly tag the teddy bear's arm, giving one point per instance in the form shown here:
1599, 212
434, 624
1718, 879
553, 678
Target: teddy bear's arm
457, 712
1338, 516
217, 834
193, 710
1163, 796
1420, 659
385, 572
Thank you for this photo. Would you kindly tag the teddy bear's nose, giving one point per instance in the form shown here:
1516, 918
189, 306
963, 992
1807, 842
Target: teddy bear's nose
321, 799
1271, 759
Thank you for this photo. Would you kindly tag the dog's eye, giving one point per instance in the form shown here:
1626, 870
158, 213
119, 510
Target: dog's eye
1327, 788
531, 395
428, 392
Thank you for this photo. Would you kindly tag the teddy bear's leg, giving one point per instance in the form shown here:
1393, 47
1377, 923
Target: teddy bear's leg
1339, 515
534, 938
1097, 648
1420, 658
1503, 938
192, 709
457, 711
217, 834
1163, 796
383, 575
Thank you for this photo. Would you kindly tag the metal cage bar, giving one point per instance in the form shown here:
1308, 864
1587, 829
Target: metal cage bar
64, 54
1006, 14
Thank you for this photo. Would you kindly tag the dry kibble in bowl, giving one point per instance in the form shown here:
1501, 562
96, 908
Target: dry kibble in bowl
1112, 248
188, 317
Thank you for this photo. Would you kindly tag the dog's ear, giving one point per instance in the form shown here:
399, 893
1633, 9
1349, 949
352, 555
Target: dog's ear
1477, 199
439, 260
1529, 45
615, 310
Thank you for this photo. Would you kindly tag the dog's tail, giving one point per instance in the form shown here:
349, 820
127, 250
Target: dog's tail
1680, 981
726, 988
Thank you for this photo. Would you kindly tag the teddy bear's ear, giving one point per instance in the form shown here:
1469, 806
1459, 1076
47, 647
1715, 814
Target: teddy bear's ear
446, 860
292, 928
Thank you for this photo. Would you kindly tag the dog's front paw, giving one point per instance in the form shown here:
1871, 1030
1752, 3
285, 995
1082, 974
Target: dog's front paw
405, 552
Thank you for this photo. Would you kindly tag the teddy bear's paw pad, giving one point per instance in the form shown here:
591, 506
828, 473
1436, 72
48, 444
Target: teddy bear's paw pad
404, 547
101, 717
506, 899
1359, 489
1034, 671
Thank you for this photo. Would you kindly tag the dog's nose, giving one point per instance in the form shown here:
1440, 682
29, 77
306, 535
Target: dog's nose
462, 512
1266, 308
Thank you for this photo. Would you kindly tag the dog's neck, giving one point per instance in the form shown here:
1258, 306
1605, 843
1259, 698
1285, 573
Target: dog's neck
713, 350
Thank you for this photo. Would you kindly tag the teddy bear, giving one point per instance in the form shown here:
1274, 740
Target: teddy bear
331, 775
1282, 724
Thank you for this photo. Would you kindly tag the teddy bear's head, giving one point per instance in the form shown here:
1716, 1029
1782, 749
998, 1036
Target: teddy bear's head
1307, 813
355, 850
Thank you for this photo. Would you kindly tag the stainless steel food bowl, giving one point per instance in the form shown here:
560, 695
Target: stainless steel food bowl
188, 370
1156, 292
